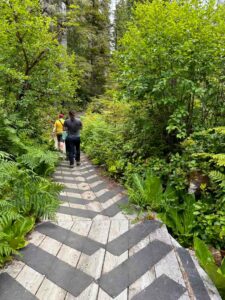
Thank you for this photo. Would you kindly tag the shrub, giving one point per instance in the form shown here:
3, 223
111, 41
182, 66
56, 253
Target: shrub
163, 64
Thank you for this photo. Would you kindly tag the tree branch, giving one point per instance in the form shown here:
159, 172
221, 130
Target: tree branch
36, 60
20, 40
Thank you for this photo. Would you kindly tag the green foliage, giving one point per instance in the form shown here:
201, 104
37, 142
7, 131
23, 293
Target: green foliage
163, 62
90, 41
123, 14
33, 195
37, 76
181, 219
103, 138
217, 274
115, 135
206, 148
25, 197
12, 236
148, 192
164, 115
219, 177
10, 142
36, 71
29, 193
211, 223
39, 160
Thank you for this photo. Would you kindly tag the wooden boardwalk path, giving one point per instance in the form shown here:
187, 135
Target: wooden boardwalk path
94, 251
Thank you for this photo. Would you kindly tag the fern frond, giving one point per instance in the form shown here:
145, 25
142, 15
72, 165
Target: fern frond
38, 160
219, 159
7, 214
220, 130
202, 155
217, 176
4, 156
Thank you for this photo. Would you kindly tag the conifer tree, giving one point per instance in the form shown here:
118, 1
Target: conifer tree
123, 14
90, 40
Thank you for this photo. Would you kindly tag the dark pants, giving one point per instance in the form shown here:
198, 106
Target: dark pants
67, 148
74, 148
59, 137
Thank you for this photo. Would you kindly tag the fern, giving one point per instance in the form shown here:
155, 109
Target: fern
181, 220
4, 156
148, 192
9, 139
25, 196
202, 155
217, 176
5, 252
8, 214
34, 195
40, 161
219, 159
13, 237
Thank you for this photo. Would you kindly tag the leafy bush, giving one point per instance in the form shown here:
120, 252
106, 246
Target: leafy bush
116, 138
211, 223
29, 193
163, 64
34, 195
103, 138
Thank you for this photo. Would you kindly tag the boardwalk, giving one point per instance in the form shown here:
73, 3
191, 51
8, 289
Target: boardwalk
93, 251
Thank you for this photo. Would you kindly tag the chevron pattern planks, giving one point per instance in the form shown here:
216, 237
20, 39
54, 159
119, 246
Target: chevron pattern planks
95, 252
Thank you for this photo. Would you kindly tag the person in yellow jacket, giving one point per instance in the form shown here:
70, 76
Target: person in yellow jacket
58, 130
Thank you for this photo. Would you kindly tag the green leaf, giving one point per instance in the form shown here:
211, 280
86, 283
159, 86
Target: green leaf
217, 278
202, 252
222, 268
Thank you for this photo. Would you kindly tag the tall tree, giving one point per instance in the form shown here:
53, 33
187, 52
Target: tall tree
58, 10
123, 14
35, 70
90, 40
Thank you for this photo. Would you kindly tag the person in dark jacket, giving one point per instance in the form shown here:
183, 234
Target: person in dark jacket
73, 126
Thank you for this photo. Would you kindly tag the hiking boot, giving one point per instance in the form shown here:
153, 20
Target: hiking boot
78, 163
71, 166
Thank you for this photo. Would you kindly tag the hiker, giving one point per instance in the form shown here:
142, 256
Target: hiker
58, 130
73, 126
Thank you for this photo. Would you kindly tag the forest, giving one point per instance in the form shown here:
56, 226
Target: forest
151, 84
